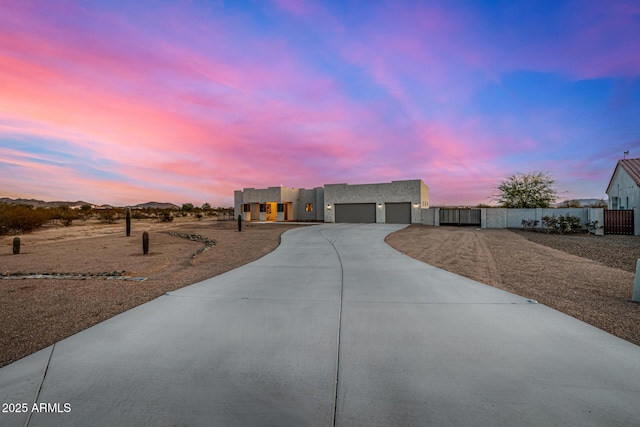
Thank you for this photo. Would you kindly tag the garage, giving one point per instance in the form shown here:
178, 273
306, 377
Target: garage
356, 212
398, 213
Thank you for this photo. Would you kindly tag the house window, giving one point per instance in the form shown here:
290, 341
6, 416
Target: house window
280, 207
246, 207
263, 207
308, 207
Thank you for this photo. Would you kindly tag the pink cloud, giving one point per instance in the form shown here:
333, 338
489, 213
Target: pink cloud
205, 106
86, 97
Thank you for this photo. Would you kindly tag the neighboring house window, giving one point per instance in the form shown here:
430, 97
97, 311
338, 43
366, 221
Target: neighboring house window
246, 207
280, 207
308, 207
263, 207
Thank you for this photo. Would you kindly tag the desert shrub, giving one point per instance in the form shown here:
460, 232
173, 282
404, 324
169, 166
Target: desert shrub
570, 223
65, 215
111, 215
107, 217
143, 213
165, 216
592, 226
530, 224
550, 223
22, 219
562, 224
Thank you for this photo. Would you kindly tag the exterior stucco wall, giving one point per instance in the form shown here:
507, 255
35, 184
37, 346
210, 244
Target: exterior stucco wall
430, 216
623, 187
512, 218
298, 197
305, 197
626, 191
255, 196
320, 203
237, 203
493, 218
412, 191
323, 199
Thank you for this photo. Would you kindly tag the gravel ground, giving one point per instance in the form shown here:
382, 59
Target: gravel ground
612, 250
587, 277
35, 313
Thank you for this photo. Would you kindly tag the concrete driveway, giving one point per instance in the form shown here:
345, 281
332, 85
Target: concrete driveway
332, 328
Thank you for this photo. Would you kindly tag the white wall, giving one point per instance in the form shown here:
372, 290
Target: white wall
627, 191
496, 217
512, 218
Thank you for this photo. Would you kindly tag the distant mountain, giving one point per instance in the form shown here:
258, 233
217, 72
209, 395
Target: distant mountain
40, 203
157, 205
583, 202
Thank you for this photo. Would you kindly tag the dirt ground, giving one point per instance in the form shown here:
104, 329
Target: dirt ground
587, 277
35, 313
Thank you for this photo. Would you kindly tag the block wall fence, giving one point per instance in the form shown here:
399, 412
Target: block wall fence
512, 218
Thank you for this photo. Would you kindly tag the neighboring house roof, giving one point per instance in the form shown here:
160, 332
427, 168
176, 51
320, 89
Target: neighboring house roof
631, 166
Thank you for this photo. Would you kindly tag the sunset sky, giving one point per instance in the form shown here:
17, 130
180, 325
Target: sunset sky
123, 102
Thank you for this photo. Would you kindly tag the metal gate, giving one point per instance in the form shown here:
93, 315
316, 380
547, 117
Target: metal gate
460, 217
618, 222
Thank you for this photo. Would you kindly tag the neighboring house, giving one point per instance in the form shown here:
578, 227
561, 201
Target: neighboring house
398, 202
624, 189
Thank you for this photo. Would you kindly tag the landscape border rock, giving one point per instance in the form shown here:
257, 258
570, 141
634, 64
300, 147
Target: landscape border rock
208, 243
113, 275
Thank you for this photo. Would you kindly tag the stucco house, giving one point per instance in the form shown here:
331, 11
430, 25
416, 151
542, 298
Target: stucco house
398, 202
624, 189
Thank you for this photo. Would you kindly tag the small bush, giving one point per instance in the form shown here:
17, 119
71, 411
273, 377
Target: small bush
65, 215
107, 217
165, 216
593, 226
530, 224
570, 223
22, 219
562, 224
111, 215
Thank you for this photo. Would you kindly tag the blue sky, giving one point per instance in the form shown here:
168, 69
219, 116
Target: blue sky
123, 102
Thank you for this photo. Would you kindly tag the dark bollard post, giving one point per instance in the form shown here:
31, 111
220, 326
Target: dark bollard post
145, 243
16, 245
239, 222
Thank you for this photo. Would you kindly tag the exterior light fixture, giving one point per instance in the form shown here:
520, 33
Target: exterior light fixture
379, 205
328, 206
415, 205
